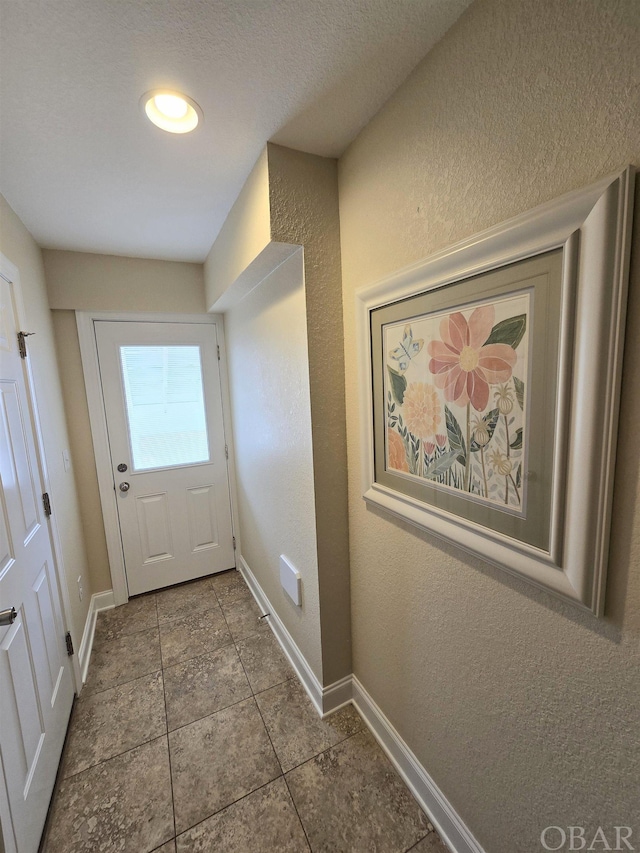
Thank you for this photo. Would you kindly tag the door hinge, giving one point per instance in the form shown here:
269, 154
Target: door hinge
69, 642
234, 542
226, 450
46, 502
22, 344
218, 352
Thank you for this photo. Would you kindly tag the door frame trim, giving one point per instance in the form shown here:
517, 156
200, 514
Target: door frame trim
97, 417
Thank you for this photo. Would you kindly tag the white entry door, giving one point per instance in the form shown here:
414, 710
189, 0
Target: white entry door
36, 687
163, 403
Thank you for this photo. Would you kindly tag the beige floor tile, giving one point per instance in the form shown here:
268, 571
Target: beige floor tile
114, 721
264, 822
178, 602
194, 635
229, 586
203, 685
243, 617
217, 760
123, 659
350, 798
263, 661
295, 728
138, 614
123, 805
120, 793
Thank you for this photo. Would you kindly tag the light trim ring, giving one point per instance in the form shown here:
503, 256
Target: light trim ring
171, 111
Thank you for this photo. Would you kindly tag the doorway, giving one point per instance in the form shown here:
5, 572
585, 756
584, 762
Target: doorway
162, 453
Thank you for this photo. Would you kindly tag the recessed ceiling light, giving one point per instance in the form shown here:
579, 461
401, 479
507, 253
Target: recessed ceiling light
171, 111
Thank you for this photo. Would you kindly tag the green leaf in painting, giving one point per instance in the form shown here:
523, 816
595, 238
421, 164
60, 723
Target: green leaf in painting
441, 465
398, 385
519, 384
455, 436
510, 331
519, 476
490, 420
516, 444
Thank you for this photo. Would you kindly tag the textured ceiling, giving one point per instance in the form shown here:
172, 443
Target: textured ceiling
85, 170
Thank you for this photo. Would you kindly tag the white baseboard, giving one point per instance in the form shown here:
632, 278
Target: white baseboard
347, 690
99, 601
297, 660
433, 802
337, 695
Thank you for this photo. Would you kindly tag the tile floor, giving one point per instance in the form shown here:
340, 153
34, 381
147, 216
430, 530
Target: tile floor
192, 735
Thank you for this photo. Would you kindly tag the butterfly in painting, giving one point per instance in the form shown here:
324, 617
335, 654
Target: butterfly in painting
407, 350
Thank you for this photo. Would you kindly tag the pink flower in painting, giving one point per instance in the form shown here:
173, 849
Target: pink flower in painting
397, 453
462, 365
421, 409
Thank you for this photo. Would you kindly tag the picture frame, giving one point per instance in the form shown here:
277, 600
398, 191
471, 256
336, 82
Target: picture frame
489, 382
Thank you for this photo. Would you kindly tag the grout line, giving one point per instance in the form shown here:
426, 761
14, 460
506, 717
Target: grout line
166, 725
284, 776
212, 714
279, 763
199, 655
117, 755
429, 832
111, 758
322, 751
167, 620
228, 806
292, 677
122, 636
293, 803
281, 776
91, 693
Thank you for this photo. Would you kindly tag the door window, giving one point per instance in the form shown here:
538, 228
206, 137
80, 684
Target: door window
165, 406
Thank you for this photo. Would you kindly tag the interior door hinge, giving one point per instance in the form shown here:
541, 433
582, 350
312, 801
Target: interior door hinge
22, 344
218, 352
46, 502
69, 642
234, 543
226, 450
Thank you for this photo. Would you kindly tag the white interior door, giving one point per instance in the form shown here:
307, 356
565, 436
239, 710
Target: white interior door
36, 686
163, 404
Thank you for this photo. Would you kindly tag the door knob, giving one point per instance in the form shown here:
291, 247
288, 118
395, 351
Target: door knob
8, 617
124, 487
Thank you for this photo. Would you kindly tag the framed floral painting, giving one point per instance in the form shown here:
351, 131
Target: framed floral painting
490, 378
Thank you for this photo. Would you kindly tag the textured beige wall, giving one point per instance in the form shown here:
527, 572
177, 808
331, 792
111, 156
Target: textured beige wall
266, 337
304, 210
85, 282
19, 247
244, 235
83, 459
301, 208
523, 709
82, 281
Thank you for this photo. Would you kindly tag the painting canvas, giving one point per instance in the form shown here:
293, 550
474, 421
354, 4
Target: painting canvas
456, 391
